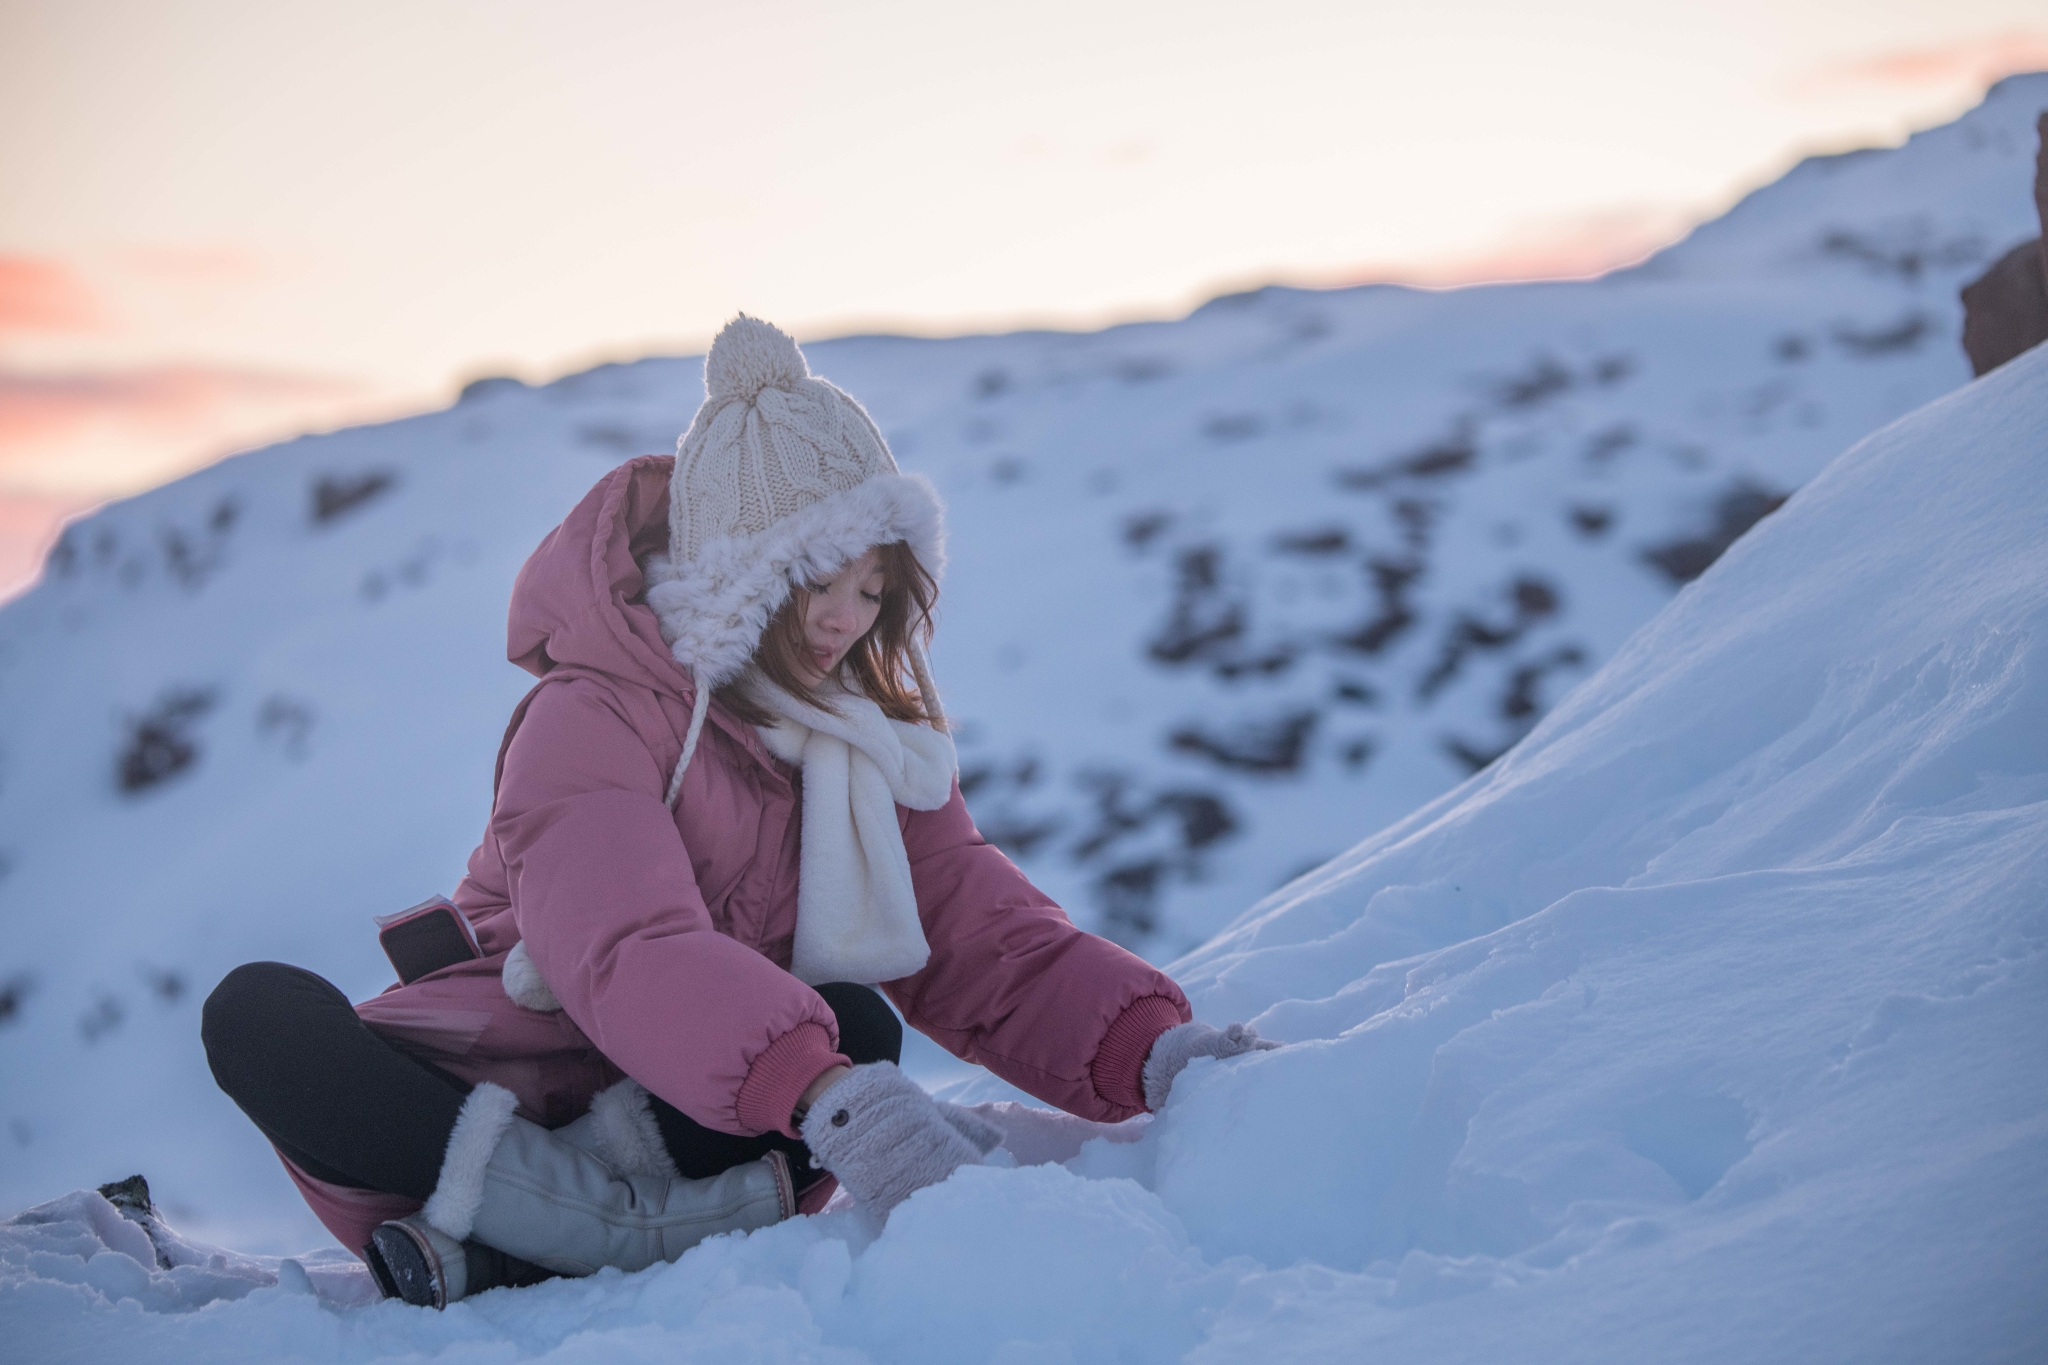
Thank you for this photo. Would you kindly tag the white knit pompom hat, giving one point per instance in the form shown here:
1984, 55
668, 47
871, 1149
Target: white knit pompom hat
782, 479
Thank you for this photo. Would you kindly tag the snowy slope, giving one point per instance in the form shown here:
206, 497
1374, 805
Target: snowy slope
1709, 1024
1228, 594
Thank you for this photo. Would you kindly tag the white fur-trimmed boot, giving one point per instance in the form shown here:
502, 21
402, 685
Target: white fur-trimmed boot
619, 1130
541, 1198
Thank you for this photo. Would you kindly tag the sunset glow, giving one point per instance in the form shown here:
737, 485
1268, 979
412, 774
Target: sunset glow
226, 221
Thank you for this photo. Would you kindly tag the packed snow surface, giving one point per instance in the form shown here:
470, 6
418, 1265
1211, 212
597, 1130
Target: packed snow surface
1705, 1023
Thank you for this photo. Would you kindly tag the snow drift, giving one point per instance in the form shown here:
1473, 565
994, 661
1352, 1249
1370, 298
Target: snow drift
1711, 1023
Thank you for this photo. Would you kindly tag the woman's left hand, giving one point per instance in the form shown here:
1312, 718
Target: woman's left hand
1175, 1048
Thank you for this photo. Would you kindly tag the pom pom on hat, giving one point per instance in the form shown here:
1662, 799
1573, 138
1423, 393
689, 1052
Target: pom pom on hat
750, 355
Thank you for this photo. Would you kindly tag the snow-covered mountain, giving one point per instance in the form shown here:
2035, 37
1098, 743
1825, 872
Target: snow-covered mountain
1228, 593
1709, 1024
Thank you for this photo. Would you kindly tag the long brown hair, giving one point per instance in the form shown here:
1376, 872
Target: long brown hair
879, 661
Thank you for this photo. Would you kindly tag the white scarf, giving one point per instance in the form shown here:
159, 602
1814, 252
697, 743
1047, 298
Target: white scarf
856, 910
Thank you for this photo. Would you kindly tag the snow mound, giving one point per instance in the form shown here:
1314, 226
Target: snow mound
1710, 1024
1726, 991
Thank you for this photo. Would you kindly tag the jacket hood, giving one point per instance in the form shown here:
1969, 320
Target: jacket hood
578, 599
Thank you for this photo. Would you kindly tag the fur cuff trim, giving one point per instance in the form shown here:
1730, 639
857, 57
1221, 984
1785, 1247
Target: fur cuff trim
713, 609
459, 1192
626, 1136
523, 983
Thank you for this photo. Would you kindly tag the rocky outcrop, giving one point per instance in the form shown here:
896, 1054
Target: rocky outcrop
2005, 310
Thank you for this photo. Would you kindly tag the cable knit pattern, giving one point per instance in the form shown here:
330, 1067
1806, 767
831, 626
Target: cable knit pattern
781, 479
769, 441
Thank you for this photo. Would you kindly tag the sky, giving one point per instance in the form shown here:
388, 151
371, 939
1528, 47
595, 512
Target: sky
226, 221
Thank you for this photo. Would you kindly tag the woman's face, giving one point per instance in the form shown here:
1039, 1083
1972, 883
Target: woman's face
837, 614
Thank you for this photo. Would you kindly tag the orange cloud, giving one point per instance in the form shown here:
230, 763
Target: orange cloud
1572, 248
1978, 62
88, 437
39, 295
41, 410
70, 441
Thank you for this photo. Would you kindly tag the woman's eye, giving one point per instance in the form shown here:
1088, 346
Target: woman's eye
874, 597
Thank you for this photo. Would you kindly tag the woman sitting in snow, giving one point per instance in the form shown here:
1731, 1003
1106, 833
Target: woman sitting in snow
729, 806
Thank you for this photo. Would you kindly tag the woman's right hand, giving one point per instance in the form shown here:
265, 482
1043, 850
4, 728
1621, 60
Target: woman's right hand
883, 1136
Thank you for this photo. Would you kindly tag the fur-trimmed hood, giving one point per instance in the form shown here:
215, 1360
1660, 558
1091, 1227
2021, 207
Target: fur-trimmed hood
579, 600
601, 593
583, 597
714, 608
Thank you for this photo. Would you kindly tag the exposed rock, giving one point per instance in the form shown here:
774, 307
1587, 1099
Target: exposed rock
2005, 310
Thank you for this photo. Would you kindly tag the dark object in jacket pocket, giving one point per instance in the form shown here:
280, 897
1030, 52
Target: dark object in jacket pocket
426, 938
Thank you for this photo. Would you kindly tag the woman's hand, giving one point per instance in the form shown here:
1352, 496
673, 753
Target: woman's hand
884, 1137
1175, 1048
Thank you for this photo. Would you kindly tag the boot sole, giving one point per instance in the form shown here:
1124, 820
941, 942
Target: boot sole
410, 1265
374, 1259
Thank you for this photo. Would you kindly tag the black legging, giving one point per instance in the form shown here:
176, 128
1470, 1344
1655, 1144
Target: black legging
351, 1109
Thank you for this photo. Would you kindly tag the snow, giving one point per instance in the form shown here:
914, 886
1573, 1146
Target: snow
1709, 1022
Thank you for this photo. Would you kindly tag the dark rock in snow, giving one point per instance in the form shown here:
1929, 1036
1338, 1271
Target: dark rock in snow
1904, 250
1902, 334
106, 1015
1592, 522
1233, 426
1543, 380
1454, 454
1740, 508
14, 993
160, 743
337, 495
1471, 756
2005, 310
1276, 745
1530, 599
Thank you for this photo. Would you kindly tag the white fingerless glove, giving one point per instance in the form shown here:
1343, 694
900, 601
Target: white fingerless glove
1175, 1048
885, 1138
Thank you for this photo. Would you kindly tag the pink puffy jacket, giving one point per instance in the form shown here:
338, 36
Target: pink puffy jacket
666, 934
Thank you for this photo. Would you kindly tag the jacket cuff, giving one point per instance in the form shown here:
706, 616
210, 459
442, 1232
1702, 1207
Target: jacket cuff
781, 1074
1119, 1068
